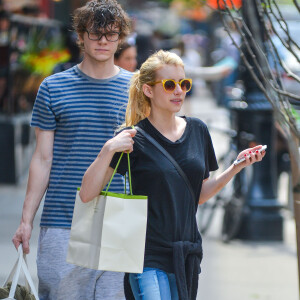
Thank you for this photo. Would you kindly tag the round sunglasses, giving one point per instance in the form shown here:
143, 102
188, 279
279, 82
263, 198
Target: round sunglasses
169, 85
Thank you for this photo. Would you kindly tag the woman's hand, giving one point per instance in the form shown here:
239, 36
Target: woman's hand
213, 185
251, 155
123, 141
99, 172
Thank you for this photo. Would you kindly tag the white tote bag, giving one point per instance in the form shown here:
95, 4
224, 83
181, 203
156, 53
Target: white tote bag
109, 232
15, 273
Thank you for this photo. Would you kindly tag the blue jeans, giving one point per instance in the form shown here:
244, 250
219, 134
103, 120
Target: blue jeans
153, 284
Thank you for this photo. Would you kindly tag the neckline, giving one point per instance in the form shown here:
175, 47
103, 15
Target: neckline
165, 139
81, 73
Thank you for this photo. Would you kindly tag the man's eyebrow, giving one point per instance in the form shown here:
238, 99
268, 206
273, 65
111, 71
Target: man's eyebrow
109, 28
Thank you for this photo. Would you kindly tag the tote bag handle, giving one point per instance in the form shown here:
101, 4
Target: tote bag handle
15, 275
115, 170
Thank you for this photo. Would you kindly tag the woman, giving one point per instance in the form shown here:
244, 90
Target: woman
126, 57
173, 244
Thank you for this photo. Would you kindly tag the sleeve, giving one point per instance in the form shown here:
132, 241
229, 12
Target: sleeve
211, 163
43, 116
123, 101
121, 115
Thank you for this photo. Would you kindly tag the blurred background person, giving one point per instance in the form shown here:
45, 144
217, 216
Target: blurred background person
74, 50
126, 57
188, 50
226, 53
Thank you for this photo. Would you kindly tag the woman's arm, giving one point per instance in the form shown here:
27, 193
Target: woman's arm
212, 186
99, 172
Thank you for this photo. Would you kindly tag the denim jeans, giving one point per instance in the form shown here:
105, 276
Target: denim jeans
154, 284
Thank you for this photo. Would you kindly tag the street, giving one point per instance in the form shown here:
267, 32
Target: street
238, 270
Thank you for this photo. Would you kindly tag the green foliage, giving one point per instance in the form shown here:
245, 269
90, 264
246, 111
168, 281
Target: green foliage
296, 115
43, 51
284, 1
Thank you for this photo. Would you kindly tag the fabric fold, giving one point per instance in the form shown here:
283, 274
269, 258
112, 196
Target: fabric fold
187, 257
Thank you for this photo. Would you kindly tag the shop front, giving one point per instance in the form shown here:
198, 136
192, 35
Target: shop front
30, 47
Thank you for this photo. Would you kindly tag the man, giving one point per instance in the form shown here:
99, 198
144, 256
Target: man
75, 112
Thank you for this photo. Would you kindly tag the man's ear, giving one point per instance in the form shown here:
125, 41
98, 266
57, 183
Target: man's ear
80, 38
120, 41
147, 90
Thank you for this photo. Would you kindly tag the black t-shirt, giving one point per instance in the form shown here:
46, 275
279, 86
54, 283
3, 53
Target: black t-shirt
171, 209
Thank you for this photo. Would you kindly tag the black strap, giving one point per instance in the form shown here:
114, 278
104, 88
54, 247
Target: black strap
171, 159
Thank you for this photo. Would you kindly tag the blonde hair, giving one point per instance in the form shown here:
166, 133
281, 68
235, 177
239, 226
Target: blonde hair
139, 105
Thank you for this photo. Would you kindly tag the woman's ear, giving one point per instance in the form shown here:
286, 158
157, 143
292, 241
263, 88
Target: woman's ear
147, 90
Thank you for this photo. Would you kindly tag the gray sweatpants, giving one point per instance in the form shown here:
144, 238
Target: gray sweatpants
59, 280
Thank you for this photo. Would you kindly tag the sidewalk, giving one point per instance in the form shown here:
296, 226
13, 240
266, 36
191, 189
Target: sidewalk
11, 201
236, 271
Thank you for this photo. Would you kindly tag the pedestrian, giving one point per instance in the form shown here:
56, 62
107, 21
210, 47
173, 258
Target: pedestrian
187, 50
126, 57
173, 244
74, 114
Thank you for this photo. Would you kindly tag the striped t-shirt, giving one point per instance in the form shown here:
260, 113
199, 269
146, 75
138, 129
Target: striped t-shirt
84, 113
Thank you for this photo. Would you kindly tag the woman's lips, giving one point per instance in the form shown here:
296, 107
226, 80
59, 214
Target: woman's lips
176, 100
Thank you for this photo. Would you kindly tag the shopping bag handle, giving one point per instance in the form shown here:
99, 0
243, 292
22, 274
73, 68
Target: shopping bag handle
115, 170
15, 275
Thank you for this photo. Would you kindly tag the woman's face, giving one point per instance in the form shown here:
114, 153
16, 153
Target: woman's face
168, 102
127, 59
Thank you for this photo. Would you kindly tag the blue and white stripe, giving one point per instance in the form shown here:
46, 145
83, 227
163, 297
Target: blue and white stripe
84, 113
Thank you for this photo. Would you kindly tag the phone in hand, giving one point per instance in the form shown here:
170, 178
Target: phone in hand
238, 161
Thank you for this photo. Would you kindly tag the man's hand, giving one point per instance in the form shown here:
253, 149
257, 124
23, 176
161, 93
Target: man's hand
22, 236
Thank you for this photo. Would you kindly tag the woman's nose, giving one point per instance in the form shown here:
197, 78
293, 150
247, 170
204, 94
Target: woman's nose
178, 88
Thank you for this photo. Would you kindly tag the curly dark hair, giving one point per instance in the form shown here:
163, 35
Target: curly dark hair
101, 14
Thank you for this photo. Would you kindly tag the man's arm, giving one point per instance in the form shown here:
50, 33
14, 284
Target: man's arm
39, 172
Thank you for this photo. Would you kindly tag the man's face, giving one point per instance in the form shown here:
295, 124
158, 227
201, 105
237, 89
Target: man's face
100, 46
